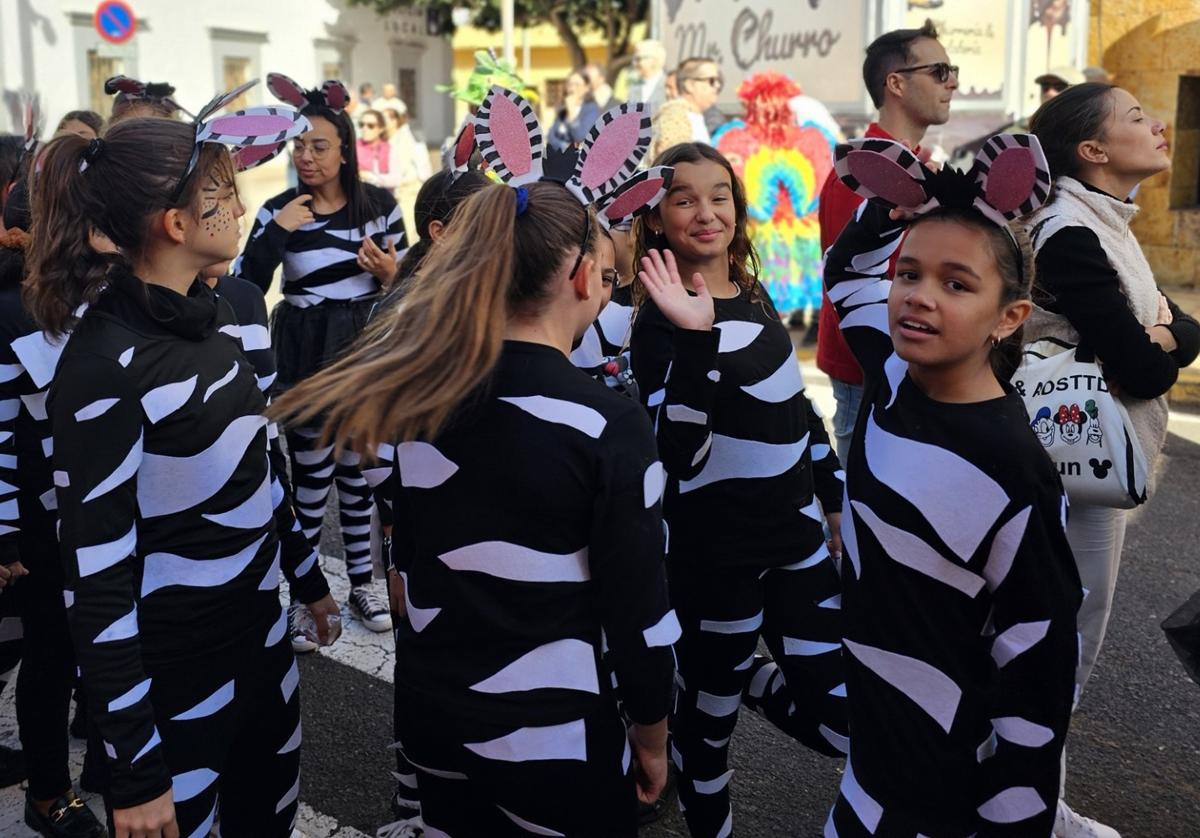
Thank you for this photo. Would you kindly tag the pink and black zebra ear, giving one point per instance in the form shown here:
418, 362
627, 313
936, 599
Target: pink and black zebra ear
464, 147
886, 172
335, 94
509, 137
612, 152
255, 134
286, 90
638, 195
1012, 176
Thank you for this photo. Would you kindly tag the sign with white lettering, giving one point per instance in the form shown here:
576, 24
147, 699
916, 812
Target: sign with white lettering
818, 43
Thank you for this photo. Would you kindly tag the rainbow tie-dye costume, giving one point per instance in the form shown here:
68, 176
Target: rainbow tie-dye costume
783, 167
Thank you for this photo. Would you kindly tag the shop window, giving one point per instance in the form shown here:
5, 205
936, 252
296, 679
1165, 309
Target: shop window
1185, 165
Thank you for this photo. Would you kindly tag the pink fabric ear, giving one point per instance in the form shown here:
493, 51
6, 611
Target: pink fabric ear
614, 148
286, 90
255, 155
1011, 179
266, 122
886, 179
1012, 174
509, 137
883, 170
336, 94
464, 146
266, 128
636, 196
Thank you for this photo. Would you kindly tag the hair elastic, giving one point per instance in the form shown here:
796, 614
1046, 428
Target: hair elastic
94, 149
522, 200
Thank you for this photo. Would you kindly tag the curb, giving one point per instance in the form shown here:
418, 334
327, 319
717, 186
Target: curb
1185, 395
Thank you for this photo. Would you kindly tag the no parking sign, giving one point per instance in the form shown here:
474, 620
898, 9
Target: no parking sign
115, 21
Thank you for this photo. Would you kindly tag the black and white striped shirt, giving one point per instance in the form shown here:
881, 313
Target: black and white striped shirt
320, 258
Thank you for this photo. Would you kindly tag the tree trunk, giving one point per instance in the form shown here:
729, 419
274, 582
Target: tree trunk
558, 17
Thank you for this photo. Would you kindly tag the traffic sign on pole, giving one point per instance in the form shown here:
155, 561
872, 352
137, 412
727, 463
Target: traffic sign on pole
115, 21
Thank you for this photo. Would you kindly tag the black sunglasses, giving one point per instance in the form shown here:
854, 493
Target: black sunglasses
940, 71
715, 81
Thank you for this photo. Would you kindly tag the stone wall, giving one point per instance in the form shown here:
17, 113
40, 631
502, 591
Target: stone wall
1152, 49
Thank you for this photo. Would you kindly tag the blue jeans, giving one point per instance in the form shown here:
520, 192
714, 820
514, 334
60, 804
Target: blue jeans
848, 397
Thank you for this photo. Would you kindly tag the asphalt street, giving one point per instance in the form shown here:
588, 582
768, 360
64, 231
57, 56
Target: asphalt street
1134, 746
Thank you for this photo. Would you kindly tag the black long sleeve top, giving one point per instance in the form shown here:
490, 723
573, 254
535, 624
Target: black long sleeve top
168, 506
529, 537
960, 590
746, 454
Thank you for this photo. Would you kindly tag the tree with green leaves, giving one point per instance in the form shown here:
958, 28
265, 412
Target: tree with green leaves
570, 18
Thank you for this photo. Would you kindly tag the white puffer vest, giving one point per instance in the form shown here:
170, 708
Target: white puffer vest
1073, 205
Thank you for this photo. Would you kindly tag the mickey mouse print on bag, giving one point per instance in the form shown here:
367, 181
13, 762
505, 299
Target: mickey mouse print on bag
1084, 429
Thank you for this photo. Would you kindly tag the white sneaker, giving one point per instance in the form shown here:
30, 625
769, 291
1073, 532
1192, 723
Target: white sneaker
1067, 824
301, 644
407, 828
370, 609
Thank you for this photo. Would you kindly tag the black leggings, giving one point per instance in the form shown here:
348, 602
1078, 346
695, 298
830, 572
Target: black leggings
33, 630
723, 613
230, 726
464, 793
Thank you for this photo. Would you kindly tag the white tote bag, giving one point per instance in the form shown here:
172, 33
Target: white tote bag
1085, 430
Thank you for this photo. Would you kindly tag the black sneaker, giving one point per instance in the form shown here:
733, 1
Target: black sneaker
12, 766
369, 608
68, 817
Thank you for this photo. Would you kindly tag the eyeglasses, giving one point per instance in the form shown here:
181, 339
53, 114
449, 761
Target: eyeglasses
318, 149
610, 276
941, 71
715, 81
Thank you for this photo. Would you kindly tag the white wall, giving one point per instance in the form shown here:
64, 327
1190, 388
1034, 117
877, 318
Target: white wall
43, 46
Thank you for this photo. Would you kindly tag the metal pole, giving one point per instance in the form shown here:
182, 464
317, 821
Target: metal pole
507, 15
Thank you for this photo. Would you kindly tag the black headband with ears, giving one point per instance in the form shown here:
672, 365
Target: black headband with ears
1010, 179
332, 94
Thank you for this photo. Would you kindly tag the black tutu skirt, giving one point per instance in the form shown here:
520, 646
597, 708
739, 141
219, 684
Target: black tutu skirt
307, 340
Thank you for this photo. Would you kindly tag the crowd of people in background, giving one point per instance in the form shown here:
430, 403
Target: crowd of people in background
560, 392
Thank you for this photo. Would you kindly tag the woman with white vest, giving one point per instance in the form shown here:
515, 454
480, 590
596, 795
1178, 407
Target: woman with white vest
1099, 291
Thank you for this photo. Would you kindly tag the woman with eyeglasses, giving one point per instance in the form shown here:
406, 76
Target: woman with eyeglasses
374, 150
336, 238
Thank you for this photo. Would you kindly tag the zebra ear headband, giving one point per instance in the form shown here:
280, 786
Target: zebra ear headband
605, 175
332, 94
1009, 180
254, 135
135, 89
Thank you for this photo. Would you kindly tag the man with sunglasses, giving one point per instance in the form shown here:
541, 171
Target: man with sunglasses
682, 120
911, 81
